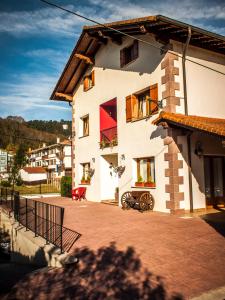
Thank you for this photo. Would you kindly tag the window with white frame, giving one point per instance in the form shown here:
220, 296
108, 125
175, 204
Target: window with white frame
145, 171
84, 126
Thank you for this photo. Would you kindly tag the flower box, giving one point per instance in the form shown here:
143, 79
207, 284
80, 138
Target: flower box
140, 184
149, 184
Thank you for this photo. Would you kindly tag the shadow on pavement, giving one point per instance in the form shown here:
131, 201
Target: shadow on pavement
216, 220
107, 273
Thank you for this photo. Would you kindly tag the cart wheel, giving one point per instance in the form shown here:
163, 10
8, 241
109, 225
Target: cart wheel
124, 200
151, 202
144, 201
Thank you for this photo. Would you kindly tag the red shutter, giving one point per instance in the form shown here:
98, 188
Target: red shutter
154, 98
122, 57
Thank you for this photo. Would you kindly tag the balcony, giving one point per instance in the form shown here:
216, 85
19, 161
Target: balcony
108, 124
108, 137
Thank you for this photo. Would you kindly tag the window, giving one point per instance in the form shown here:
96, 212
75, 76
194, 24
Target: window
145, 172
129, 54
89, 81
85, 179
142, 104
84, 126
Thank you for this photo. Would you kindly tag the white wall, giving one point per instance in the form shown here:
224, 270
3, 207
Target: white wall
32, 177
205, 88
136, 139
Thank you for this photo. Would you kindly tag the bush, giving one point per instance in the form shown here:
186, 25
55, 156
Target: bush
19, 181
66, 186
5, 184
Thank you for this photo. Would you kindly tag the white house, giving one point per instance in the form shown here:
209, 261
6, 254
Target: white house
33, 175
148, 112
55, 158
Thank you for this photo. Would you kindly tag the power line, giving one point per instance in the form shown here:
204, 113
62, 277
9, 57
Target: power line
128, 35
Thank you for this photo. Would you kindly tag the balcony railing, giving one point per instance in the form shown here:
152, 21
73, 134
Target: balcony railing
108, 137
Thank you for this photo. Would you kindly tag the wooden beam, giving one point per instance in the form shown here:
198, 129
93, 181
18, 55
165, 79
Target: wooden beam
86, 59
64, 96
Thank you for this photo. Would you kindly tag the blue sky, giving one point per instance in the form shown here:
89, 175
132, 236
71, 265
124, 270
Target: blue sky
36, 41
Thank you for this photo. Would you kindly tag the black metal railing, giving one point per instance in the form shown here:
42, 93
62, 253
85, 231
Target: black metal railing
45, 220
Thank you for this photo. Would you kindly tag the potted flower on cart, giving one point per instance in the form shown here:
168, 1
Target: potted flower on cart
139, 182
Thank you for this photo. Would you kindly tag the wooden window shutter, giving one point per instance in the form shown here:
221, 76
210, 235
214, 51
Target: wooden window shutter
154, 98
128, 109
85, 84
135, 50
134, 103
93, 77
131, 108
122, 57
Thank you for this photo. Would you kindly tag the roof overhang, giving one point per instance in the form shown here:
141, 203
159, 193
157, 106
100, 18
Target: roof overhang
92, 37
212, 126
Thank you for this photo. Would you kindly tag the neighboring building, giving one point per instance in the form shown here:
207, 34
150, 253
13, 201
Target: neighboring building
56, 159
33, 175
6, 159
120, 89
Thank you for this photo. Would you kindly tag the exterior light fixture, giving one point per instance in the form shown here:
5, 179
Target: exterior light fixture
198, 149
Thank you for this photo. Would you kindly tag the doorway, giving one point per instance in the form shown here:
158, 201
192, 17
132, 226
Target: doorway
109, 178
214, 167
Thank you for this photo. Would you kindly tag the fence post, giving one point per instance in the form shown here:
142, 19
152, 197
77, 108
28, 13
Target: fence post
47, 225
26, 213
16, 205
61, 228
35, 218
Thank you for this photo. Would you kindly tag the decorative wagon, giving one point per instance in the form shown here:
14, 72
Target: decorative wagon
143, 200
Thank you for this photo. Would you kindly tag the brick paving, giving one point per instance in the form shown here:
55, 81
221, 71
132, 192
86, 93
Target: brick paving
187, 253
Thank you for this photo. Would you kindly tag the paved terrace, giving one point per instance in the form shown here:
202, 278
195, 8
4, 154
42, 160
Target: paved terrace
133, 255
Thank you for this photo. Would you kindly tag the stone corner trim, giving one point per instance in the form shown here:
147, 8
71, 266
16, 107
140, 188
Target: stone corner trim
169, 81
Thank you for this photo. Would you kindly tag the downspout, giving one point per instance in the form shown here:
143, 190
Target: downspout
186, 113
184, 70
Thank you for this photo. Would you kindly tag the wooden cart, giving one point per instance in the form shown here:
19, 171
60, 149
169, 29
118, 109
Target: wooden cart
142, 200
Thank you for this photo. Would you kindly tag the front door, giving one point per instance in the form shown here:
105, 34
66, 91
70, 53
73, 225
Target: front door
214, 180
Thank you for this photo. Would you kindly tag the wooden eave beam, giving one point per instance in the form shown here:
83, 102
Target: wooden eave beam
86, 59
64, 96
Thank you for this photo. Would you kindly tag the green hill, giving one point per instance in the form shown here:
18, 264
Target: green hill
31, 134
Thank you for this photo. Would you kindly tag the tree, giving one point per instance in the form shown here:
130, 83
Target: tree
19, 161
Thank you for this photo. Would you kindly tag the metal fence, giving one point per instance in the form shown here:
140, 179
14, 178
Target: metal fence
45, 220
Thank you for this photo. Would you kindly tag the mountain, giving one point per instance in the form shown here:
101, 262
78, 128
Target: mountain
31, 134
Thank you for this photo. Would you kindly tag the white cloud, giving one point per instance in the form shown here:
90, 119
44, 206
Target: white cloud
30, 92
48, 20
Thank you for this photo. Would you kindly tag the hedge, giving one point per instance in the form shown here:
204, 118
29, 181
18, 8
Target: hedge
66, 186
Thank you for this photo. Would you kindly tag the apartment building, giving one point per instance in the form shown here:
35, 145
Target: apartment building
148, 112
55, 158
6, 160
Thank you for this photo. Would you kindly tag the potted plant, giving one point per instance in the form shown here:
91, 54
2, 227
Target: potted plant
103, 144
149, 184
88, 179
83, 181
139, 181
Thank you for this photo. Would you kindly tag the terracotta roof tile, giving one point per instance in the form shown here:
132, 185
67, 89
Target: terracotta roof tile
34, 170
211, 125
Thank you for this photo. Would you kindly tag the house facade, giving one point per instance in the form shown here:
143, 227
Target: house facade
55, 158
33, 175
6, 160
148, 112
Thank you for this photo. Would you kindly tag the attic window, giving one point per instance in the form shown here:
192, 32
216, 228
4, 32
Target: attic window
89, 81
129, 54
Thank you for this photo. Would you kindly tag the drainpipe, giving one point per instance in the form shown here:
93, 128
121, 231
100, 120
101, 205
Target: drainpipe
186, 113
184, 70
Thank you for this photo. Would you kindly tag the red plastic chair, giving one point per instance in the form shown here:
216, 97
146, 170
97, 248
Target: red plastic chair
79, 193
